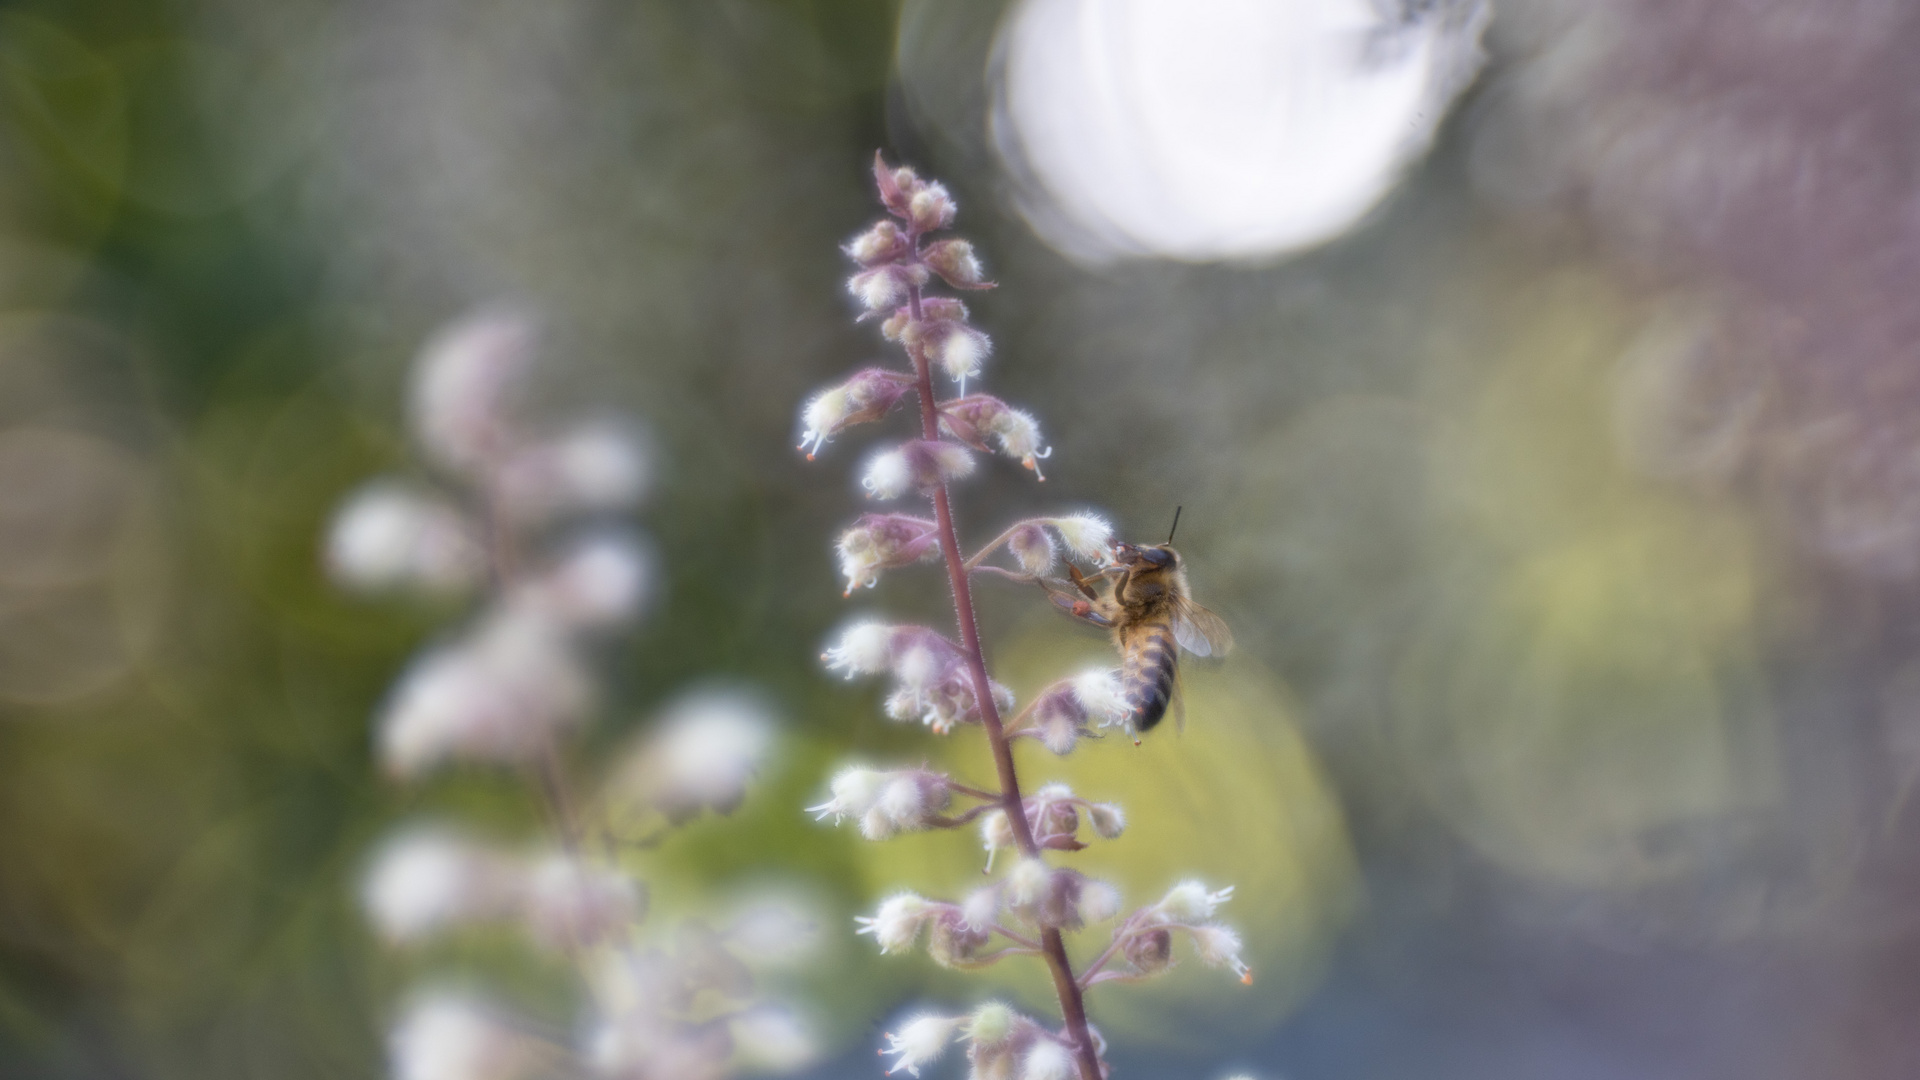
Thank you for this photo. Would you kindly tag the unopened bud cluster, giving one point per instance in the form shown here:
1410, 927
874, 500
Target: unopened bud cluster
518, 517
1024, 910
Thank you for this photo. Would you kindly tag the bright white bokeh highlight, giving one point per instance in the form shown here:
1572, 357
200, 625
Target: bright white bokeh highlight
1217, 129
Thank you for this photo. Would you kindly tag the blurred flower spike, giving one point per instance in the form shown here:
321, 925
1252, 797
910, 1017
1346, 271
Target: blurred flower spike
530, 519
945, 684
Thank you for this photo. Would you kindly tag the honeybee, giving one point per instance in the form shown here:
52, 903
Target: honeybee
1148, 609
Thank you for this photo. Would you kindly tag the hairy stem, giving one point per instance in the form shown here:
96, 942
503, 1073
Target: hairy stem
1073, 1009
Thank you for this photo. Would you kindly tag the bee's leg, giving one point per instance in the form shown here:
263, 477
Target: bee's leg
1080, 581
1079, 609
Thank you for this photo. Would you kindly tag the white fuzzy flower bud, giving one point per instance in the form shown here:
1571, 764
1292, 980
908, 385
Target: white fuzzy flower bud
1099, 901
897, 922
426, 880
991, 1025
1029, 883
1018, 434
500, 696
1108, 820
982, 908
570, 904
911, 797
996, 833
921, 1041
601, 580
955, 261
596, 467
449, 1037
886, 286
1103, 697
882, 242
1219, 946
388, 535
864, 649
854, 791
959, 350
1032, 546
460, 386
1090, 538
1190, 902
931, 208
1048, 1060
773, 1039
700, 754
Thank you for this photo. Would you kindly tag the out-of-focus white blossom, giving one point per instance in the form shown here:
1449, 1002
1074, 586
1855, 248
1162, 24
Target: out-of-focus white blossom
1090, 538
773, 930
1190, 902
452, 1037
1099, 901
897, 922
595, 467
772, 1038
570, 903
920, 465
700, 753
920, 1041
389, 535
500, 695
426, 880
1046, 1059
599, 580
461, 384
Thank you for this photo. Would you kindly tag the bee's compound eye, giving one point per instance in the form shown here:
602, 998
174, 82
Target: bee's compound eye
1158, 556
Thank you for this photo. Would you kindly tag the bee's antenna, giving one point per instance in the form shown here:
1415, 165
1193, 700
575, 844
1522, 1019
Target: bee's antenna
1176, 523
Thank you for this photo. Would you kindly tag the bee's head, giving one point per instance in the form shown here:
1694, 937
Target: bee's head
1134, 557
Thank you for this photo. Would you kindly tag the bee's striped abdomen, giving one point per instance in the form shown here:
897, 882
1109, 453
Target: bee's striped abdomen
1147, 676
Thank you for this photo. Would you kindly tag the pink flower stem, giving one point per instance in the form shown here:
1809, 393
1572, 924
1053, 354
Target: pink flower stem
1072, 1008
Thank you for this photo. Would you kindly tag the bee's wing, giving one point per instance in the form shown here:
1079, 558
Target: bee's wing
1200, 631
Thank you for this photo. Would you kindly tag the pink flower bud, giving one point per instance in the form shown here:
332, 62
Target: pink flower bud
932, 309
461, 386
918, 465
956, 264
1032, 546
952, 941
931, 208
885, 542
1149, 951
868, 396
979, 417
884, 242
